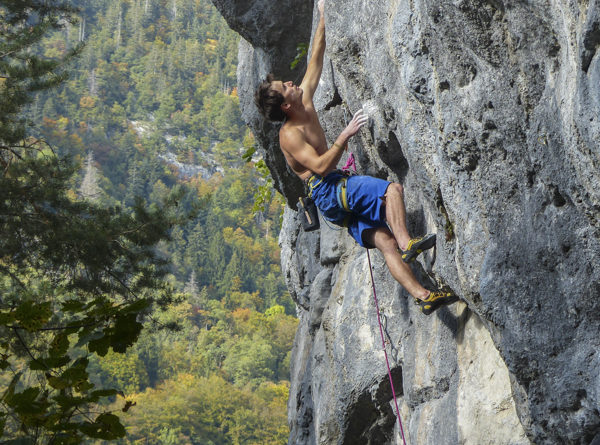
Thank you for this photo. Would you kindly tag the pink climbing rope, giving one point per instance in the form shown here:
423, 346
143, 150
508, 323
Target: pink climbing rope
350, 164
384, 349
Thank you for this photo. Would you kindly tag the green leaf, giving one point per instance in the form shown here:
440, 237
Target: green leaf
113, 422
43, 364
10, 390
77, 371
75, 376
58, 383
302, 50
125, 333
59, 345
247, 156
66, 402
26, 403
104, 393
85, 336
136, 307
106, 426
32, 316
73, 306
68, 435
100, 345
7, 318
83, 386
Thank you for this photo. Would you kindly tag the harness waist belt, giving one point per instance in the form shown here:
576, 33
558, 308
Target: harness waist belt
312, 182
342, 198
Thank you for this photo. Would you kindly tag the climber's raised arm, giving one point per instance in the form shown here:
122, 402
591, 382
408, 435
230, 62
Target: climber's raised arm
310, 82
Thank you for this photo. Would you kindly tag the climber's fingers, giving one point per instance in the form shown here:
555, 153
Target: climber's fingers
321, 6
360, 118
357, 121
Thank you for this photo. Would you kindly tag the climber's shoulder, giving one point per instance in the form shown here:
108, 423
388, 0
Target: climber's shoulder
291, 135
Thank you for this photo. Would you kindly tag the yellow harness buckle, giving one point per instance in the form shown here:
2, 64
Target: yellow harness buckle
313, 183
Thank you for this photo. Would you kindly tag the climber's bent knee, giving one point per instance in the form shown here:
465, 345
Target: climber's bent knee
381, 238
394, 189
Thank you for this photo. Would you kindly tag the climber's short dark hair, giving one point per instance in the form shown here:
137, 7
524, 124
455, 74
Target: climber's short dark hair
269, 100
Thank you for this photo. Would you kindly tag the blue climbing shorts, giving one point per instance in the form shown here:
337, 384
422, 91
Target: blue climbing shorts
363, 194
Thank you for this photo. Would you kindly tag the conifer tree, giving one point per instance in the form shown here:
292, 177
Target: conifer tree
191, 287
75, 278
23, 23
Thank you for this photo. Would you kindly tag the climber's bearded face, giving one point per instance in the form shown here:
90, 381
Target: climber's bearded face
292, 94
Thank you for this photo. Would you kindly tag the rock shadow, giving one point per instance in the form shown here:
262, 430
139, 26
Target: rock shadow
391, 154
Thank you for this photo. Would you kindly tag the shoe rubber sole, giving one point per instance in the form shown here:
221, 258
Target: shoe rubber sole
427, 242
428, 307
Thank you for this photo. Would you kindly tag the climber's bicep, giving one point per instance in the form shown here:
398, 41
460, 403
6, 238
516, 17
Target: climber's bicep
294, 145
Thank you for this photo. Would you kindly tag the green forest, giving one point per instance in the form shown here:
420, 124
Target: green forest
141, 297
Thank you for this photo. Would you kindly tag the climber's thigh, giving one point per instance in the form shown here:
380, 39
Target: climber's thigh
381, 238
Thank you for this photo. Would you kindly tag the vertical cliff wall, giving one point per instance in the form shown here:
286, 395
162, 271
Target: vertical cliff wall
488, 111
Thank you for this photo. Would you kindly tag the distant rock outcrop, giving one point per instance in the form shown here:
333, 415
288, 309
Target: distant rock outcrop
489, 113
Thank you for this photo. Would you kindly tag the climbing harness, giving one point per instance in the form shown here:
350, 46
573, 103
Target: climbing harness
312, 183
341, 194
387, 362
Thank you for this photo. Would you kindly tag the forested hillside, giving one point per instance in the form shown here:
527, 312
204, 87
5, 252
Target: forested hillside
149, 117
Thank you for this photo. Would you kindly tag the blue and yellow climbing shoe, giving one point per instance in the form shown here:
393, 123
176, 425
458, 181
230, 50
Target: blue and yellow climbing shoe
416, 246
436, 300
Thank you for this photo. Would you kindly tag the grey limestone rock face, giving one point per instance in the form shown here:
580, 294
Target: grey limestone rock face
488, 112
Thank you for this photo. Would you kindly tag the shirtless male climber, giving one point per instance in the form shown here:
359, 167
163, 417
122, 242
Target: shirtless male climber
374, 206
